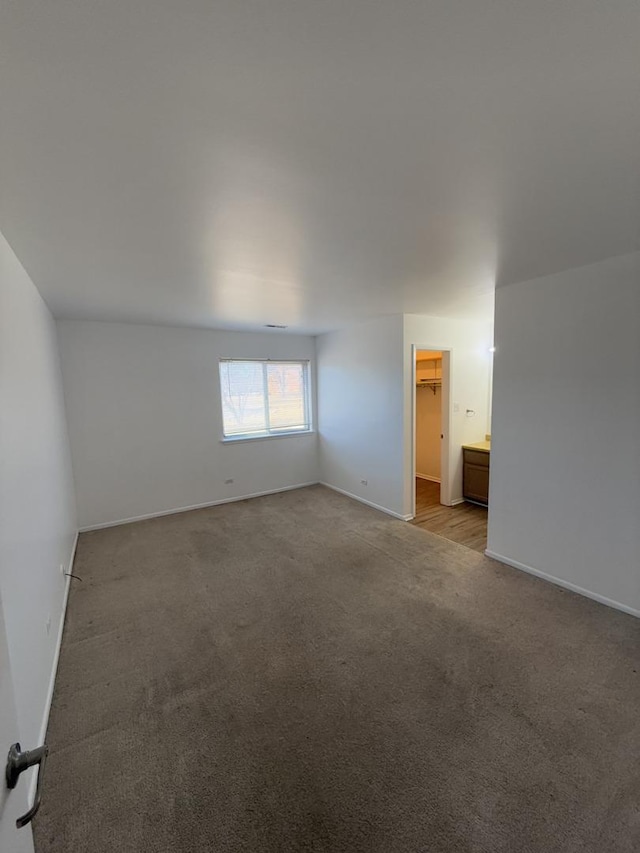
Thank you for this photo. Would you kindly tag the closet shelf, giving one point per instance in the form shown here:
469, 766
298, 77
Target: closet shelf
430, 383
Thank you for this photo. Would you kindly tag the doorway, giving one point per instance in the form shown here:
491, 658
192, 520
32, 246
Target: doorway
428, 430
431, 451
433, 507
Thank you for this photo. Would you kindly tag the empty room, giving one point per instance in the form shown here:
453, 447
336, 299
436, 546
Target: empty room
319, 406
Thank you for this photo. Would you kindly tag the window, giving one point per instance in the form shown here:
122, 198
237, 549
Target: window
262, 398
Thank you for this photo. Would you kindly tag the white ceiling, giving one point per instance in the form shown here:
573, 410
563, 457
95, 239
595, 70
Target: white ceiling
310, 162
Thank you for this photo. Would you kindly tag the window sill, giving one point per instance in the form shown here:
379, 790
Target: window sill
239, 439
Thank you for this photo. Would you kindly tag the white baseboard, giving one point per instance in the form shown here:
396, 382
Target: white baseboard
457, 502
601, 599
54, 666
368, 503
428, 477
176, 510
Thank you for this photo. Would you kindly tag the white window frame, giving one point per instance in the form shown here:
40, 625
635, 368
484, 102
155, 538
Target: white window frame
269, 433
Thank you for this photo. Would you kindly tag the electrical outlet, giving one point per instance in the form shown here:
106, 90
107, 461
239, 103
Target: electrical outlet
364, 482
48, 624
228, 482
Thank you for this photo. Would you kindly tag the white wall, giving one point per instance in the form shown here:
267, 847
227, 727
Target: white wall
37, 509
143, 404
360, 408
565, 459
468, 342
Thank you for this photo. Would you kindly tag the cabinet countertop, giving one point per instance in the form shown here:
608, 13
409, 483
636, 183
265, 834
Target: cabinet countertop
484, 446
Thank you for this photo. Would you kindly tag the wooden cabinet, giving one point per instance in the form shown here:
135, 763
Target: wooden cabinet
475, 475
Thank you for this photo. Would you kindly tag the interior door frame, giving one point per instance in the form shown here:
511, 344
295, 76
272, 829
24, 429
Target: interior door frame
445, 447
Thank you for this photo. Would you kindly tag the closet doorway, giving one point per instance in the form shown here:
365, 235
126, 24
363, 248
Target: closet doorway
431, 448
431, 435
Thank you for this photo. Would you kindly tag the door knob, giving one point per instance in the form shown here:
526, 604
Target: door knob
17, 762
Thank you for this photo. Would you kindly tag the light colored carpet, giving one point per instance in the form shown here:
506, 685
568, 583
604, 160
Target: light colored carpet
301, 673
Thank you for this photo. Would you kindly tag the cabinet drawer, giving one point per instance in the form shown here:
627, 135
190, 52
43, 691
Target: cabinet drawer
477, 457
